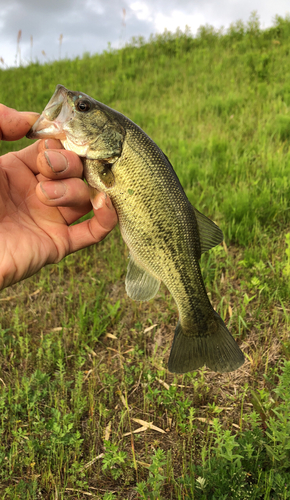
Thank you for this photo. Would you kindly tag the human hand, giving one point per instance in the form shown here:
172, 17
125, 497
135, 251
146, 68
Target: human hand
41, 194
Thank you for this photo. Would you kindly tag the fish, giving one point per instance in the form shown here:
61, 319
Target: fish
164, 233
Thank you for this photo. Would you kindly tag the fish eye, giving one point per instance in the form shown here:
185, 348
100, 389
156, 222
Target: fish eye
83, 106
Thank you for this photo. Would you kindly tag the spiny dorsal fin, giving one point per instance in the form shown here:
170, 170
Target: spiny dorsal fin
210, 234
140, 285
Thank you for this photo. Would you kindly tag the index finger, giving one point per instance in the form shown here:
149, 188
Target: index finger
15, 124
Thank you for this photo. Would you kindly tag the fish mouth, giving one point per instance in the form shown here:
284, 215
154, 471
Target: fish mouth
57, 113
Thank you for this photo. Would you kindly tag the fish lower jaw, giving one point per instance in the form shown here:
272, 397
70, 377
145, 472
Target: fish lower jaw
79, 149
44, 129
54, 132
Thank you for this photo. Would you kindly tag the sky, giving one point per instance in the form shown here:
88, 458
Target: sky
53, 29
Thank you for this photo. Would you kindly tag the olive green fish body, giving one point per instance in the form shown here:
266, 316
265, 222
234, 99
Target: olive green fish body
164, 233
157, 221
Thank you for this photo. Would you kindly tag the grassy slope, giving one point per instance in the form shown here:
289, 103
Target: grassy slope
219, 108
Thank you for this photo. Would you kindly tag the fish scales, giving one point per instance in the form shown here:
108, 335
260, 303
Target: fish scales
171, 240
164, 233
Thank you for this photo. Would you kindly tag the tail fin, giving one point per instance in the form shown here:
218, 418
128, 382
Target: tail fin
218, 351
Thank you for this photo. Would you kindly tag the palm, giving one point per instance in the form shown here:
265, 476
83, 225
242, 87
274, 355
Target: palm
31, 234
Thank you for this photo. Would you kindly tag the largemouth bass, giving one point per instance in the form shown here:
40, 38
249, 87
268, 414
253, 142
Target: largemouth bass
165, 234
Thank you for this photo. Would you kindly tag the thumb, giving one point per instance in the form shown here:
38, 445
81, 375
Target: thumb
15, 124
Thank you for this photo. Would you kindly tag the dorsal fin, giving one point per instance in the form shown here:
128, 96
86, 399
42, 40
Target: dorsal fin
210, 234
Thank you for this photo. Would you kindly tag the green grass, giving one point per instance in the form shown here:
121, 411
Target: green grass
81, 363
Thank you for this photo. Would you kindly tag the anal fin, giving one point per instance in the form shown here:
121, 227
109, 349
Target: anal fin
140, 285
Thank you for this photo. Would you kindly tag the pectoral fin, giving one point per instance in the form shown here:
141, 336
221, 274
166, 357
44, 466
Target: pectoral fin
210, 234
140, 285
96, 171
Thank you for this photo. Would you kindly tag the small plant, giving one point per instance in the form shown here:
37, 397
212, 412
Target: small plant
254, 464
286, 270
151, 489
114, 461
109, 496
278, 425
72, 342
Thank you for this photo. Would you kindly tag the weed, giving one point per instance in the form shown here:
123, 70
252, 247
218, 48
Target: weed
151, 489
114, 461
286, 270
79, 367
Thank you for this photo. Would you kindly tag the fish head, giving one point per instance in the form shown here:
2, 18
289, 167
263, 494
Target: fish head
79, 122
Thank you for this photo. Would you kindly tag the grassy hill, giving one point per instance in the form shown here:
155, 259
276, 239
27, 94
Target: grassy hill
83, 366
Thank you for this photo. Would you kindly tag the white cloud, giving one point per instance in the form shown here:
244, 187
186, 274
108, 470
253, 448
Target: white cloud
98, 8
178, 19
88, 25
141, 10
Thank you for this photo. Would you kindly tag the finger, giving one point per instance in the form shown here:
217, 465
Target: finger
15, 124
45, 144
105, 213
72, 197
64, 193
103, 208
29, 155
94, 230
59, 164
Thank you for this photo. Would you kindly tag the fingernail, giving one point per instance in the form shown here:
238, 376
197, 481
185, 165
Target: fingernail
30, 117
109, 203
53, 190
57, 161
98, 201
52, 144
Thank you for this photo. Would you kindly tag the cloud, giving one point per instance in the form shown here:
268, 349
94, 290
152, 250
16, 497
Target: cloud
88, 25
142, 10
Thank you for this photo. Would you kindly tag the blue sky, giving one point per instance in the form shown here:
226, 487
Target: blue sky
89, 25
